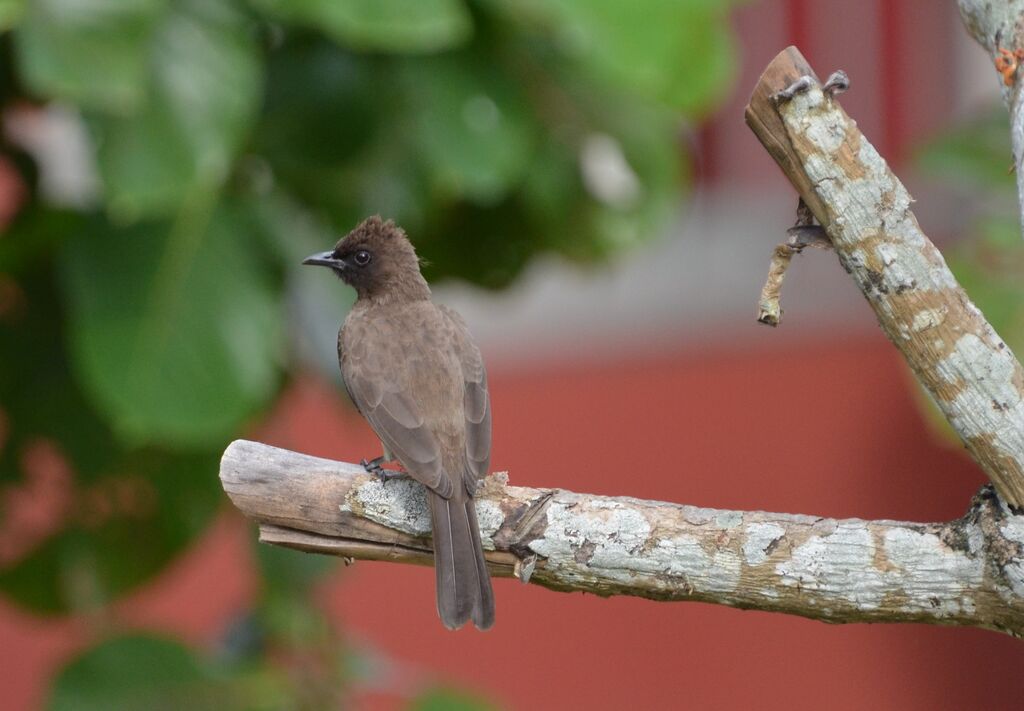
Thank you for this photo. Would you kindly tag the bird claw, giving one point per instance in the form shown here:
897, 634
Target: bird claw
374, 467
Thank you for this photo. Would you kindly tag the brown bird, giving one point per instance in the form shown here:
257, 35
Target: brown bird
413, 371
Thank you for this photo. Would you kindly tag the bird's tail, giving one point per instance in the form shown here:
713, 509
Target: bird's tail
463, 585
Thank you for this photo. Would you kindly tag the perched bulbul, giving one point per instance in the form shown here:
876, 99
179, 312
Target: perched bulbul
415, 374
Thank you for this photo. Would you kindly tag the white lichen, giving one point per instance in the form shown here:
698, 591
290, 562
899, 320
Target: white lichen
684, 557
729, 519
928, 318
838, 565
992, 407
1013, 530
399, 504
489, 516
606, 535
826, 135
759, 537
921, 565
698, 515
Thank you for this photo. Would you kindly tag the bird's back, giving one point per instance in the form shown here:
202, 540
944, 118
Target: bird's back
408, 348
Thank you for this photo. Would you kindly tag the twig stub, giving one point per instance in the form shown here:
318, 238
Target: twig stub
801, 235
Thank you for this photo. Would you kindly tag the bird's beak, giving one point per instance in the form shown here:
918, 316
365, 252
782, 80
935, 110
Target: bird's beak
325, 259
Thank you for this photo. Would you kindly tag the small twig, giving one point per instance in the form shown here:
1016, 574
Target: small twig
801, 235
969, 371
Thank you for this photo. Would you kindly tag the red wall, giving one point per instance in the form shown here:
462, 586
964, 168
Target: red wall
822, 429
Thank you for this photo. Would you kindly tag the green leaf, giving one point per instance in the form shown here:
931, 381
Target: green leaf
488, 246
202, 97
989, 268
133, 514
472, 128
140, 672
386, 25
115, 517
443, 699
678, 52
976, 152
289, 572
322, 105
320, 123
11, 12
316, 305
174, 329
89, 51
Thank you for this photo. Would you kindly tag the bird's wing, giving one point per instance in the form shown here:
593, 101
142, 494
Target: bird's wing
378, 380
477, 401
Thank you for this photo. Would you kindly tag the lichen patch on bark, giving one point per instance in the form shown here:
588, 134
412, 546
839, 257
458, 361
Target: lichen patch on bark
761, 540
959, 359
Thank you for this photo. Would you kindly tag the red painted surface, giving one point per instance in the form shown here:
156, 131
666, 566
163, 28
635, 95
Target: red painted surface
798, 29
896, 53
822, 429
830, 430
892, 77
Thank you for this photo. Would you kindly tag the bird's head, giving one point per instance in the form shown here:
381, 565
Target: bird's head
377, 259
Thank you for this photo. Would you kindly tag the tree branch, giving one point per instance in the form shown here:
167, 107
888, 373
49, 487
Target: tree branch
956, 355
996, 26
966, 572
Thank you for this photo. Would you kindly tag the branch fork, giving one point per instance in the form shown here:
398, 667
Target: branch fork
954, 352
964, 572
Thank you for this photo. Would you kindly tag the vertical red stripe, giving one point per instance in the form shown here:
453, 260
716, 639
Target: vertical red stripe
891, 79
798, 26
706, 163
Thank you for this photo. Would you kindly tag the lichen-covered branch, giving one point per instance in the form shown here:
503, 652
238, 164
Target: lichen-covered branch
1000, 26
954, 352
966, 572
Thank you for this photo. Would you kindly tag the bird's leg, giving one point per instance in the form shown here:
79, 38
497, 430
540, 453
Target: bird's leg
374, 466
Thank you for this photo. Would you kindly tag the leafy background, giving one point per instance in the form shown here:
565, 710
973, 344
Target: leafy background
151, 307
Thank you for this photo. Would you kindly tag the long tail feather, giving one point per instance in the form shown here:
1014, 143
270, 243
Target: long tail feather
463, 585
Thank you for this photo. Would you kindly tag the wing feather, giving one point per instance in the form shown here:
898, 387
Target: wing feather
381, 394
476, 401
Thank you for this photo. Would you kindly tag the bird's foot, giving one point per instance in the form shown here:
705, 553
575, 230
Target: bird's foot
374, 466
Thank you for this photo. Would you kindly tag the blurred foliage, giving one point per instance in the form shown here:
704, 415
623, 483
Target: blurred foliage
136, 673
442, 699
976, 157
151, 304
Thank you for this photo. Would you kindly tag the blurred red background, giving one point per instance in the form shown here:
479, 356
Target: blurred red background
828, 428
820, 424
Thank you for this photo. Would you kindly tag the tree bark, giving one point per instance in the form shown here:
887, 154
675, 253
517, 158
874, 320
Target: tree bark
956, 355
995, 26
965, 572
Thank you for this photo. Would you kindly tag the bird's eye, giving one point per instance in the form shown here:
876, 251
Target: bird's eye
362, 258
